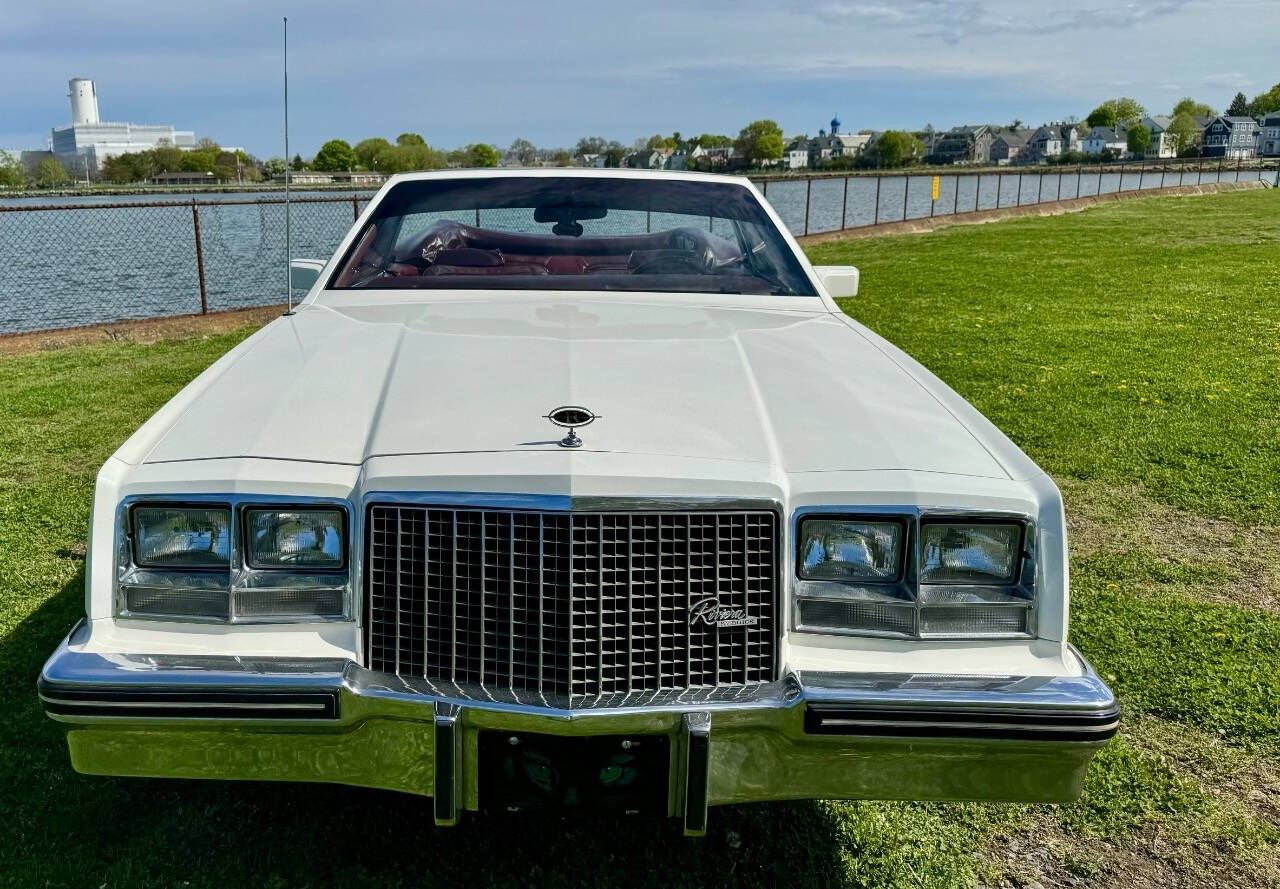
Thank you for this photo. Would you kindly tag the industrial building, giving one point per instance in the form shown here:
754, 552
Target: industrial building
88, 141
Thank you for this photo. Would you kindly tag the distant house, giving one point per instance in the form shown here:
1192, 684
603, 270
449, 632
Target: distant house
185, 177
796, 154
1163, 142
964, 145
593, 160
651, 159
1269, 136
1008, 145
1101, 139
1228, 136
1049, 141
835, 144
308, 177
712, 157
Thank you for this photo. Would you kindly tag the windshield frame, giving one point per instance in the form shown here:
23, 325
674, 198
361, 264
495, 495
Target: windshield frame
799, 280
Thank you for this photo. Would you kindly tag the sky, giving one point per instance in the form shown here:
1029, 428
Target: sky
552, 71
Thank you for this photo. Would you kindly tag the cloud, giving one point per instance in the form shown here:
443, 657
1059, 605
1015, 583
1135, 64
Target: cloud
955, 20
1232, 80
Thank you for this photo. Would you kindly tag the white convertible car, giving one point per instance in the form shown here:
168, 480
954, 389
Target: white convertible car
575, 489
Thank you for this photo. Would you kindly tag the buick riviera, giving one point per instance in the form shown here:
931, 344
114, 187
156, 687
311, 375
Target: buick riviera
576, 490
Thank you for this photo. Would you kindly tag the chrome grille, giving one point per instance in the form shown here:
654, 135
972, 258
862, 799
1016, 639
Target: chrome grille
569, 605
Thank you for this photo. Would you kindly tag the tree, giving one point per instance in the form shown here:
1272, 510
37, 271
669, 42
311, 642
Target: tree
760, 141
11, 173
1239, 106
1016, 124
895, 148
1193, 108
1266, 103
710, 140
1139, 141
613, 154
1184, 129
297, 163
410, 139
1122, 111
562, 158
481, 155
371, 153
273, 167
590, 145
50, 173
333, 155
523, 152
166, 159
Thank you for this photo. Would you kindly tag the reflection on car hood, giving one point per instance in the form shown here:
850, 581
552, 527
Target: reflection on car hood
800, 390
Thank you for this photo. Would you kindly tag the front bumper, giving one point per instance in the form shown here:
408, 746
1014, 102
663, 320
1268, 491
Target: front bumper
810, 735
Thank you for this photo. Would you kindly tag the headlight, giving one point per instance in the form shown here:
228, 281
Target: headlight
182, 537
232, 562
850, 549
916, 576
969, 553
306, 539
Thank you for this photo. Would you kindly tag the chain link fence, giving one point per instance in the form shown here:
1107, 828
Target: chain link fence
76, 264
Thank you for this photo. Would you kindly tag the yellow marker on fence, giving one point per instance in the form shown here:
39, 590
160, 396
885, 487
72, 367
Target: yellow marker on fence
935, 188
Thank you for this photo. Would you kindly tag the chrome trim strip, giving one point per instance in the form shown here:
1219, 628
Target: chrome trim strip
68, 672
211, 705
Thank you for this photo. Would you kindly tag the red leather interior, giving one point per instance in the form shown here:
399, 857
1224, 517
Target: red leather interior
452, 248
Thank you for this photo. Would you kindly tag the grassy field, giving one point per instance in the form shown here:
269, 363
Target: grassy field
1133, 350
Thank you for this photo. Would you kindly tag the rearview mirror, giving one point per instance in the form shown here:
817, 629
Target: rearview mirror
838, 280
303, 273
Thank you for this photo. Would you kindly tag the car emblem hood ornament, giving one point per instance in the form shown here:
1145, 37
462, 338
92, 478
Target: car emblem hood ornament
710, 612
573, 418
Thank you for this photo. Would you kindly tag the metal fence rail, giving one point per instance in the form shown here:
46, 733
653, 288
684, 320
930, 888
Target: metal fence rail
75, 264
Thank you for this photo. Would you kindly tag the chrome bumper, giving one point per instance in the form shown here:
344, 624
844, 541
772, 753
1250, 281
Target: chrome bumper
810, 735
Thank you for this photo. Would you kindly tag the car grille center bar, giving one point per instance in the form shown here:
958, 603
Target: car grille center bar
571, 606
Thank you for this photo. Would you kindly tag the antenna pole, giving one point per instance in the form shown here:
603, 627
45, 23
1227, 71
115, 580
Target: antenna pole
288, 234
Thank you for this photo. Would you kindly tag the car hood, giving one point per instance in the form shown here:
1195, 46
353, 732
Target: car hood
799, 389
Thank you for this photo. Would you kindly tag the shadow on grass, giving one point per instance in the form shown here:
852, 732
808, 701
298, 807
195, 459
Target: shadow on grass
68, 829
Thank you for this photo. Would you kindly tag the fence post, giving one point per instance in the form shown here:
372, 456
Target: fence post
955, 194
195, 222
906, 193
1019, 189
355, 208
844, 205
1040, 187
766, 188
999, 188
977, 192
1219, 177
876, 219
1164, 168
1237, 168
808, 190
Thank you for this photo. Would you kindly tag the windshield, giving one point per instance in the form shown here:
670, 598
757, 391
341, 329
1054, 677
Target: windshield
572, 233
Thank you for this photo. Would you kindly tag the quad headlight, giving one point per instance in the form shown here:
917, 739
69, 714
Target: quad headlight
303, 538
228, 562
182, 536
915, 575
850, 549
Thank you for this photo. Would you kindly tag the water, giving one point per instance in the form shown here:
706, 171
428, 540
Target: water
66, 268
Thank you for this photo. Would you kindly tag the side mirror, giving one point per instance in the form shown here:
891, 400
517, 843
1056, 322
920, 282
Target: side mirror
838, 280
304, 272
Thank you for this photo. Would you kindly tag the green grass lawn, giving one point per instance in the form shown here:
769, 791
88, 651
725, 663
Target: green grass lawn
1133, 350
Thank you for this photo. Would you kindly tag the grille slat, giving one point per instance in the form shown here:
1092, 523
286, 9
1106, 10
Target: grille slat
570, 605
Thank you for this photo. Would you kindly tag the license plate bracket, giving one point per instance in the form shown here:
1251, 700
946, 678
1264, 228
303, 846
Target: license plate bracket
620, 774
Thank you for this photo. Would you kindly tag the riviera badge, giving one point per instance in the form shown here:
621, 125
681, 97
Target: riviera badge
572, 417
710, 612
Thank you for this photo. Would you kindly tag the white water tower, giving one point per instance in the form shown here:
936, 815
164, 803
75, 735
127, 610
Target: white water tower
84, 101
